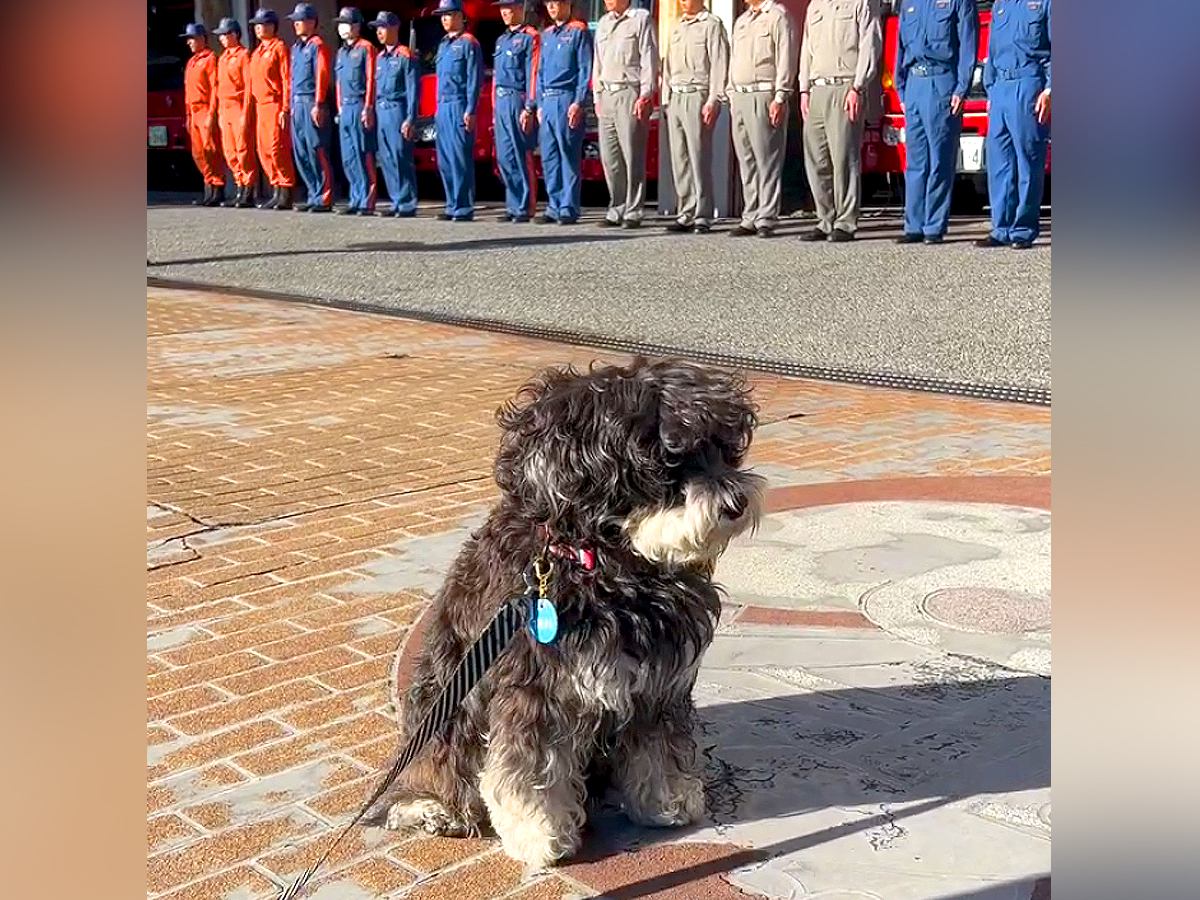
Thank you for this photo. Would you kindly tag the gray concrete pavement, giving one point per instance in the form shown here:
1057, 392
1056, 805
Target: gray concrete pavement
952, 311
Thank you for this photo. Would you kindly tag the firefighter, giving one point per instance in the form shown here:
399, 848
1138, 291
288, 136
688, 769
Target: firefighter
624, 72
311, 67
200, 104
270, 86
233, 93
838, 59
695, 67
397, 90
561, 92
935, 56
355, 69
1017, 79
514, 75
459, 79
762, 76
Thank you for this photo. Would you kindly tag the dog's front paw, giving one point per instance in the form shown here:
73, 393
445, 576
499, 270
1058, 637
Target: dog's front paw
424, 815
536, 845
680, 802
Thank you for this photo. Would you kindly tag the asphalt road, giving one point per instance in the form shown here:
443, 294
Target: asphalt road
952, 311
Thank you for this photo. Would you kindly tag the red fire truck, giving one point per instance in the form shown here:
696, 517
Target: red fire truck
883, 150
168, 156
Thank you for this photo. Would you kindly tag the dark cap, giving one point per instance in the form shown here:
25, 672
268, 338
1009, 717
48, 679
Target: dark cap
350, 15
303, 12
385, 20
196, 30
265, 17
228, 26
448, 6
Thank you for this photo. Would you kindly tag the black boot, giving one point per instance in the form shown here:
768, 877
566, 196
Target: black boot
215, 199
285, 198
246, 198
273, 202
203, 201
235, 199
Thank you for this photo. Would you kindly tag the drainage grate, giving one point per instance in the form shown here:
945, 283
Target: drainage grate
1004, 393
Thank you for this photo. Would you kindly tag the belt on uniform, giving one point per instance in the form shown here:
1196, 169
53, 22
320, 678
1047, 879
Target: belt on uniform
688, 88
557, 92
611, 87
929, 69
1019, 72
508, 91
754, 87
825, 81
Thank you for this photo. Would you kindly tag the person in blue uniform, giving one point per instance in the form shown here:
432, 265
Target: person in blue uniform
311, 134
397, 83
935, 56
514, 73
1017, 79
562, 88
459, 80
355, 69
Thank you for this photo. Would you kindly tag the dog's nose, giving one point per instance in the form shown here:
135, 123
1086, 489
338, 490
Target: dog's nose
733, 509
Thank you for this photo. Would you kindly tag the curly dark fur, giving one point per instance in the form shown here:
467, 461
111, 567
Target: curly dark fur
643, 463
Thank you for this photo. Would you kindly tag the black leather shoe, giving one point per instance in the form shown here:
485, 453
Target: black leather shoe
505, 217
405, 213
285, 198
766, 232
934, 239
321, 207
701, 229
608, 223
544, 219
519, 220
347, 211
271, 203
246, 198
679, 228
815, 234
908, 238
838, 236
469, 218
443, 217
989, 241
632, 223
1021, 245
302, 206
218, 191
742, 231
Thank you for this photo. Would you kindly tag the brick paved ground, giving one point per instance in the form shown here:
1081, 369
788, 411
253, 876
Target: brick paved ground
309, 474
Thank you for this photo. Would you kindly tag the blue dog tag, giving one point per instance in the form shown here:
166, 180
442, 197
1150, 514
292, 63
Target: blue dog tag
543, 621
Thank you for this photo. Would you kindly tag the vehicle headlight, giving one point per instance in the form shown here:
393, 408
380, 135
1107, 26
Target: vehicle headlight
893, 135
591, 150
427, 132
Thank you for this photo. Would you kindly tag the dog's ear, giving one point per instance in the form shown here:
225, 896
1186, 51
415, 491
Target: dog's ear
701, 405
526, 426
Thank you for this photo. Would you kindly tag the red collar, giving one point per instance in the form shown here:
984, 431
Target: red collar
581, 554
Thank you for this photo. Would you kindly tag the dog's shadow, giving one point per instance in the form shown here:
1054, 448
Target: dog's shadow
879, 755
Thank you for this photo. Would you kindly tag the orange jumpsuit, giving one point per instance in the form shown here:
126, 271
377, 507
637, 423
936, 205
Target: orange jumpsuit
270, 89
233, 91
200, 101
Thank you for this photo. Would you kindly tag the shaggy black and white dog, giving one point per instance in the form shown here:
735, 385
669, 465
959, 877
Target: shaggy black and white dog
641, 467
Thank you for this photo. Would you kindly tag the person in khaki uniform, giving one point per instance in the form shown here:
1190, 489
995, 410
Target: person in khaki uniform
762, 75
623, 78
839, 56
694, 70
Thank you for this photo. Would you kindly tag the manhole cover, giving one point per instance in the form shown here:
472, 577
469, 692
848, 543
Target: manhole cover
988, 610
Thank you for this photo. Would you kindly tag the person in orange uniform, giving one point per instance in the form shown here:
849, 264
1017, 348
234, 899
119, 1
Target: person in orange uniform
200, 102
233, 91
270, 89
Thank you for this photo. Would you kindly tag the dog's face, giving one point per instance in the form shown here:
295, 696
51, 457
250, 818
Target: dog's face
653, 451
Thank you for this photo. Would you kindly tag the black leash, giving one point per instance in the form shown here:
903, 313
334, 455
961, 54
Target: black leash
512, 617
